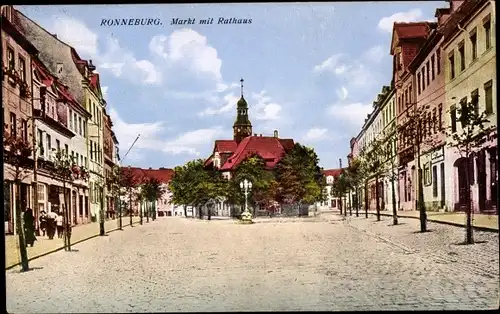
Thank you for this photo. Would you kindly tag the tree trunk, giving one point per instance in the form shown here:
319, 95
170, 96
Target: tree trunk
377, 198
147, 211
119, 207
421, 204
141, 204
200, 213
357, 201
130, 208
209, 213
154, 210
66, 221
345, 207
394, 209
102, 231
350, 203
469, 238
185, 211
20, 228
366, 199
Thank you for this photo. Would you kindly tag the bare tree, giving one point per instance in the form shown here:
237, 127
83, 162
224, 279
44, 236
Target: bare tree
17, 151
418, 131
390, 140
467, 142
374, 167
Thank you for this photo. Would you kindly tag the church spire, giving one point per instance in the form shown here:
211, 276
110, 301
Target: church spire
242, 127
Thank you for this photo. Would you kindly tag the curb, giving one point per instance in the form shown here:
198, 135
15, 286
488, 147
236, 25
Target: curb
62, 247
486, 229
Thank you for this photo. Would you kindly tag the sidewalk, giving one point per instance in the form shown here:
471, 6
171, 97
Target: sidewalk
480, 221
44, 246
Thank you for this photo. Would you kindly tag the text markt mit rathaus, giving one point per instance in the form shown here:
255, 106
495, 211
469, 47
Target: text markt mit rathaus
175, 21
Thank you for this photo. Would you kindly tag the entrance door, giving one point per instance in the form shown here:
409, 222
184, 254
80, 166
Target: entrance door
481, 180
442, 185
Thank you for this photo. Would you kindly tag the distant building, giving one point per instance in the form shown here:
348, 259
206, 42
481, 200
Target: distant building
331, 202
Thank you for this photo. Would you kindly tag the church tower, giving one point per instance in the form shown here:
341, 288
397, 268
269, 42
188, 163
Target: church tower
242, 127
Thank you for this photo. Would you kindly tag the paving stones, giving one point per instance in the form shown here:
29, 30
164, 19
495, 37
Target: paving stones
175, 264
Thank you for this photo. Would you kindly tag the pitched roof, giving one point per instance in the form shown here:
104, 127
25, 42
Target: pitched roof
269, 148
333, 172
223, 146
409, 30
164, 175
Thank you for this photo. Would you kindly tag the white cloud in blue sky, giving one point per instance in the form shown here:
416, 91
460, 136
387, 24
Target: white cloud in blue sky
311, 71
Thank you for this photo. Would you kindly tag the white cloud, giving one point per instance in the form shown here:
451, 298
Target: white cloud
352, 113
114, 58
230, 101
342, 93
191, 50
189, 142
315, 134
386, 23
375, 54
330, 64
264, 109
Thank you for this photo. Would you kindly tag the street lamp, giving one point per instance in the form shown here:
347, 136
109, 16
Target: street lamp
246, 186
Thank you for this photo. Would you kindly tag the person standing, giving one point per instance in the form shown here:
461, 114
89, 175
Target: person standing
29, 227
59, 222
51, 224
43, 222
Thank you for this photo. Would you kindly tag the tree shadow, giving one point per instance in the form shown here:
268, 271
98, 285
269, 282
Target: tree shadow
426, 231
29, 269
399, 224
73, 250
104, 235
465, 243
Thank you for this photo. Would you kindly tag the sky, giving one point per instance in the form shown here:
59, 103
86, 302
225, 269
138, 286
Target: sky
310, 70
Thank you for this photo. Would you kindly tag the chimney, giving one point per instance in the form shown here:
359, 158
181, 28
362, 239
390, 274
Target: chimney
91, 66
442, 15
276, 133
150, 168
55, 36
255, 134
260, 135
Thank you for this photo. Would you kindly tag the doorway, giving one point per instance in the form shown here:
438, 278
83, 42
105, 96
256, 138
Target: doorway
461, 204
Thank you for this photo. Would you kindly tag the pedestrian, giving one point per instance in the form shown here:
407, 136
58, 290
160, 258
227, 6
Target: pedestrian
59, 222
51, 224
29, 227
43, 222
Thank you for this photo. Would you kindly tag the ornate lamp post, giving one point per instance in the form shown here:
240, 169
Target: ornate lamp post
246, 186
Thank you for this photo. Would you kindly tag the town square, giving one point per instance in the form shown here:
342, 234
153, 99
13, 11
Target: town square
153, 166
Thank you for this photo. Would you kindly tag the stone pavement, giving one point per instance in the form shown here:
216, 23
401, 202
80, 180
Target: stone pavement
480, 221
177, 264
43, 245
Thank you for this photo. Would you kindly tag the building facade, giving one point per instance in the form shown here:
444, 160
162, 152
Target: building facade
470, 76
17, 53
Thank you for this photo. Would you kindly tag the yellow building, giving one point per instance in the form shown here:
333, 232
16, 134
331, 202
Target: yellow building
470, 75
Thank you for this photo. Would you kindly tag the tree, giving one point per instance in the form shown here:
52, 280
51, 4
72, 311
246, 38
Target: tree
65, 169
129, 181
17, 150
416, 132
390, 151
375, 168
355, 177
467, 142
113, 181
179, 186
299, 176
151, 191
339, 189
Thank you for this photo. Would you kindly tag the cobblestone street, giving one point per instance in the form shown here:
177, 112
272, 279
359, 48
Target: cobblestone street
176, 264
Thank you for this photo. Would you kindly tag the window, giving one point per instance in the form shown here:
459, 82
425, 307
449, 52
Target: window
440, 116
475, 100
41, 192
10, 58
70, 119
434, 181
75, 121
427, 68
66, 149
13, 124
434, 121
438, 61
451, 60
433, 70
81, 161
453, 118
488, 97
40, 143
461, 52
423, 78
91, 150
463, 112
427, 174
91, 192
58, 145
487, 33
473, 42
24, 129
406, 98
77, 159
409, 95
418, 83
85, 162
49, 143
84, 131
80, 125
22, 68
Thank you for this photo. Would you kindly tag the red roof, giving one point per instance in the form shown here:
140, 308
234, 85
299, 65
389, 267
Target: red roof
223, 146
269, 148
411, 29
333, 172
164, 175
